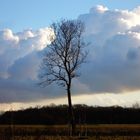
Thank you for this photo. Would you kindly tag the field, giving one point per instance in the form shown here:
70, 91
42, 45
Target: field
57, 132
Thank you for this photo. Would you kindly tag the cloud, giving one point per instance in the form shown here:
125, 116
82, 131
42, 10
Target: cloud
15, 46
25, 67
108, 99
113, 63
20, 55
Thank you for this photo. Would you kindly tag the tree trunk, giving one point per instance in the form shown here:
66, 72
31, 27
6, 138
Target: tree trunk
71, 114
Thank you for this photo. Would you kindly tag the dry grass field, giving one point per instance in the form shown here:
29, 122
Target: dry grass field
57, 132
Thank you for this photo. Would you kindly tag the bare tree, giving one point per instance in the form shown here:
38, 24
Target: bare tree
63, 58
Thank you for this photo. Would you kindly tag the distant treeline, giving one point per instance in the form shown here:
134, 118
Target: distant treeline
53, 115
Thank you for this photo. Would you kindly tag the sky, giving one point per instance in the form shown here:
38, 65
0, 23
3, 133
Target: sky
24, 14
112, 74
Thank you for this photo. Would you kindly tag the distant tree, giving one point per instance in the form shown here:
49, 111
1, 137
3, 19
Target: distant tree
63, 58
136, 105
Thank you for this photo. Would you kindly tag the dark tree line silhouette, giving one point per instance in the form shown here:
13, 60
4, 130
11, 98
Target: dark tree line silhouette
54, 115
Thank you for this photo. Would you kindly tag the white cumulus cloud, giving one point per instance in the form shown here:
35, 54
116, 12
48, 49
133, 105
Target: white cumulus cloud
15, 46
115, 50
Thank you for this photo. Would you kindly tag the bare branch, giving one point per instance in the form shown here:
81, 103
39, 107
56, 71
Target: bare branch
64, 56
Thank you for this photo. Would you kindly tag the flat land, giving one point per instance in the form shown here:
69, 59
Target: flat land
62, 132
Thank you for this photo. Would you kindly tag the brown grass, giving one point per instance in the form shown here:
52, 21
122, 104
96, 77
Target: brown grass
61, 132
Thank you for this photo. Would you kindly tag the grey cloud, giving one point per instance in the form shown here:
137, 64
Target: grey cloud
132, 55
17, 90
25, 67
